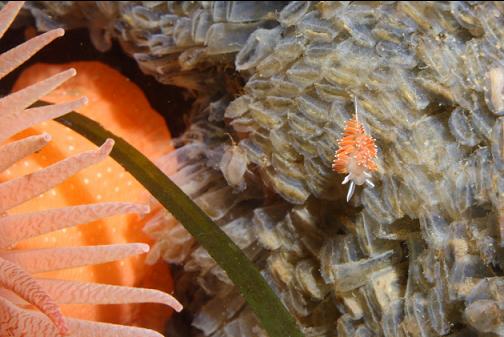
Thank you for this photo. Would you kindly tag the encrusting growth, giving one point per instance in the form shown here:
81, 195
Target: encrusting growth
17, 285
355, 155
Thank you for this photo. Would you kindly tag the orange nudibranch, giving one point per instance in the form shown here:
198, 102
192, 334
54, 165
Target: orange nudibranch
355, 155
120, 106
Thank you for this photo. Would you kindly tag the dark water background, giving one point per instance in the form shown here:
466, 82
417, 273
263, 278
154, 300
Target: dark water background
172, 102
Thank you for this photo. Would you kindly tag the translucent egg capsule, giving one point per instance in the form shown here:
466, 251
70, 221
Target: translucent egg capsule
458, 189
301, 126
259, 45
209, 317
482, 122
191, 58
346, 326
390, 193
306, 147
240, 231
245, 124
290, 48
411, 93
265, 221
384, 287
434, 228
498, 144
303, 74
466, 16
320, 180
238, 107
228, 37
375, 205
182, 32
363, 331
329, 93
497, 197
482, 160
392, 317
338, 112
217, 202
396, 55
351, 275
233, 166
293, 12
495, 90
416, 12
307, 220
461, 128
486, 243
218, 10
474, 65
194, 183
367, 230
415, 310
431, 138
315, 29
280, 104
282, 87
325, 150
335, 251
439, 310
485, 315
143, 17
200, 24
258, 87
319, 53
245, 11
290, 189
434, 87
290, 169
280, 140
313, 108
308, 280
290, 238
492, 25
360, 33
393, 27
167, 23
270, 65
341, 76
255, 152
266, 118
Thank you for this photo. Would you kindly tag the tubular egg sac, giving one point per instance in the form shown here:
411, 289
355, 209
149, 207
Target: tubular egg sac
419, 254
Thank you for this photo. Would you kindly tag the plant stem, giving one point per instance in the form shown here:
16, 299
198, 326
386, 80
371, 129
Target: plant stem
272, 314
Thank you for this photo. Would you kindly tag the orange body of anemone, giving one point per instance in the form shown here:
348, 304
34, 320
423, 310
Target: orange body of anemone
121, 107
355, 145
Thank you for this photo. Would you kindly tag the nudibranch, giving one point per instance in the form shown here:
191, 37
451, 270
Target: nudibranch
355, 155
41, 263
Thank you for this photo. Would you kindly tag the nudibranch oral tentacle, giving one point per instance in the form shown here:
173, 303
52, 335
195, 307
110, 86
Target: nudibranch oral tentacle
355, 155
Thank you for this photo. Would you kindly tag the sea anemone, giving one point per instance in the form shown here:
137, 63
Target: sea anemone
20, 291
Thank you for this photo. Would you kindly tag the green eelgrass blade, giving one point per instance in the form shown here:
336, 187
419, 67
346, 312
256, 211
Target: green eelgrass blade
273, 316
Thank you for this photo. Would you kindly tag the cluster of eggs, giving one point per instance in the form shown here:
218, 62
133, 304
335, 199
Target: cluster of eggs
418, 254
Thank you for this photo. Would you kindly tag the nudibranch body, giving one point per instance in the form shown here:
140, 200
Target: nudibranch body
355, 155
